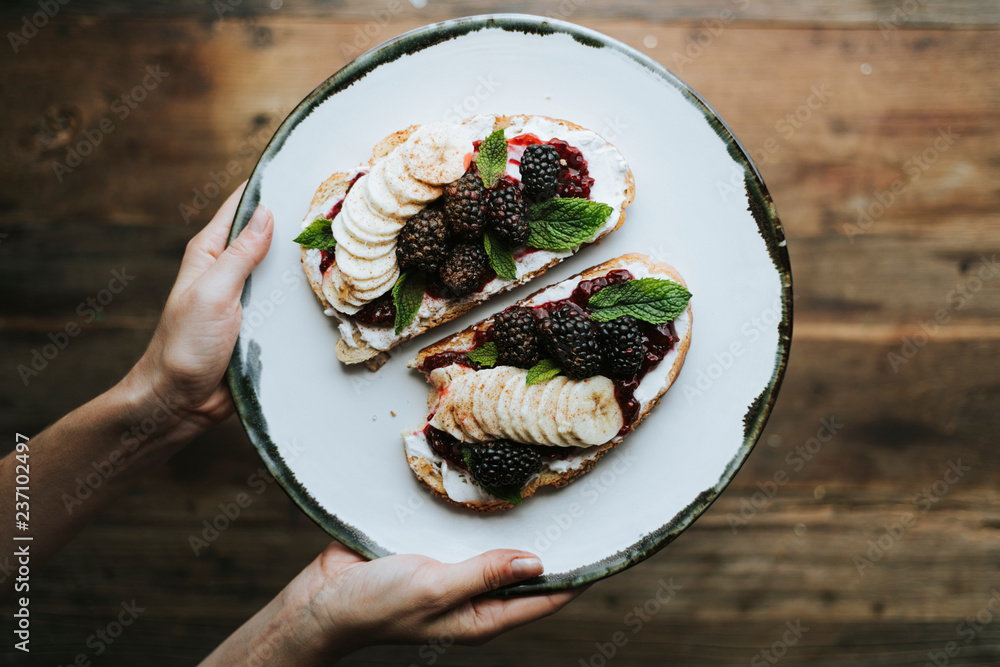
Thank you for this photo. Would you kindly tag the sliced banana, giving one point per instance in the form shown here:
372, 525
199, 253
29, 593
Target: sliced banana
380, 200
403, 186
594, 410
547, 410
435, 152
359, 247
332, 290
487, 404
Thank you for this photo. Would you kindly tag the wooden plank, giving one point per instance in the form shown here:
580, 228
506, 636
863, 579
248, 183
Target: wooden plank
856, 13
821, 173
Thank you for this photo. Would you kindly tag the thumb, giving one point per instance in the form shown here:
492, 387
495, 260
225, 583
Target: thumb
489, 571
224, 279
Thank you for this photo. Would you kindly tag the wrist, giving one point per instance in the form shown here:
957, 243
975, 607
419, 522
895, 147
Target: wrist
153, 417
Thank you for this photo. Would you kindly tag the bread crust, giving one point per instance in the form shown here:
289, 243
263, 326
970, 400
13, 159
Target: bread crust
337, 185
430, 475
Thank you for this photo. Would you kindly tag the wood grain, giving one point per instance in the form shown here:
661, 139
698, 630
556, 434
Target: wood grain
859, 298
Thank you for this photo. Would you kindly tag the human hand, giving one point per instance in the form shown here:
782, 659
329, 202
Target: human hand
344, 602
185, 362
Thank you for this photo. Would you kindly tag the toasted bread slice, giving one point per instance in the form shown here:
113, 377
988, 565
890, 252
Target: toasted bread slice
429, 470
352, 348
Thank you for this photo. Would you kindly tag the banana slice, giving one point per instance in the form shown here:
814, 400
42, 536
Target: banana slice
356, 269
403, 186
435, 152
518, 394
505, 405
359, 247
364, 218
380, 200
363, 232
334, 291
594, 411
548, 408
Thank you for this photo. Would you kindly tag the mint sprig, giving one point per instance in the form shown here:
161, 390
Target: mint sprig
318, 235
407, 295
511, 493
546, 369
653, 300
485, 355
565, 223
501, 256
491, 163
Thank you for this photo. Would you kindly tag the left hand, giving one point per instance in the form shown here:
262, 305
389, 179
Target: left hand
191, 347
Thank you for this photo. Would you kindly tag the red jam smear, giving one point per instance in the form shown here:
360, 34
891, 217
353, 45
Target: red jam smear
327, 258
660, 340
378, 313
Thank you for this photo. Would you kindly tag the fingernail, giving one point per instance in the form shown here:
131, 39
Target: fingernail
259, 219
526, 567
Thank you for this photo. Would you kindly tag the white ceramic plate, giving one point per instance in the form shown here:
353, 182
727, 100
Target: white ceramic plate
331, 435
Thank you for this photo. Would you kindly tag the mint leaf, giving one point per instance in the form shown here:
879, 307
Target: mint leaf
501, 257
485, 355
319, 235
492, 159
565, 223
510, 493
546, 369
652, 300
407, 295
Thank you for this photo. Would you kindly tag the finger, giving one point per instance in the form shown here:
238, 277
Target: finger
487, 572
483, 619
224, 279
210, 242
505, 614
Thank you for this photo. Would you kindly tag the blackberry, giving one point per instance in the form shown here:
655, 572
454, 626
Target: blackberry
503, 463
507, 215
463, 269
422, 242
465, 206
571, 339
540, 171
622, 346
515, 332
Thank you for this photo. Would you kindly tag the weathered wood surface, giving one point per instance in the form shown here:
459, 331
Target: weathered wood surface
864, 13
859, 296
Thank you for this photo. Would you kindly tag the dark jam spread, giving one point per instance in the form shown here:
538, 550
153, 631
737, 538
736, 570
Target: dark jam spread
660, 340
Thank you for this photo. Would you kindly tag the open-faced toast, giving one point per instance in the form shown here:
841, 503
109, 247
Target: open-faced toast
368, 269
475, 393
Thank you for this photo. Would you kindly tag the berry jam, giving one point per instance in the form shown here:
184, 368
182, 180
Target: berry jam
327, 258
445, 445
378, 313
660, 340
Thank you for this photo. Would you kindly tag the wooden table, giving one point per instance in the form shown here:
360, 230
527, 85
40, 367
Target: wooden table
889, 190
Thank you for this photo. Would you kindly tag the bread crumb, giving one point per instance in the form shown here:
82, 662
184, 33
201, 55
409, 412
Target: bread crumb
392, 413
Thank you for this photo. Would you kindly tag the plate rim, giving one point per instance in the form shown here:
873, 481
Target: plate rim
243, 376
